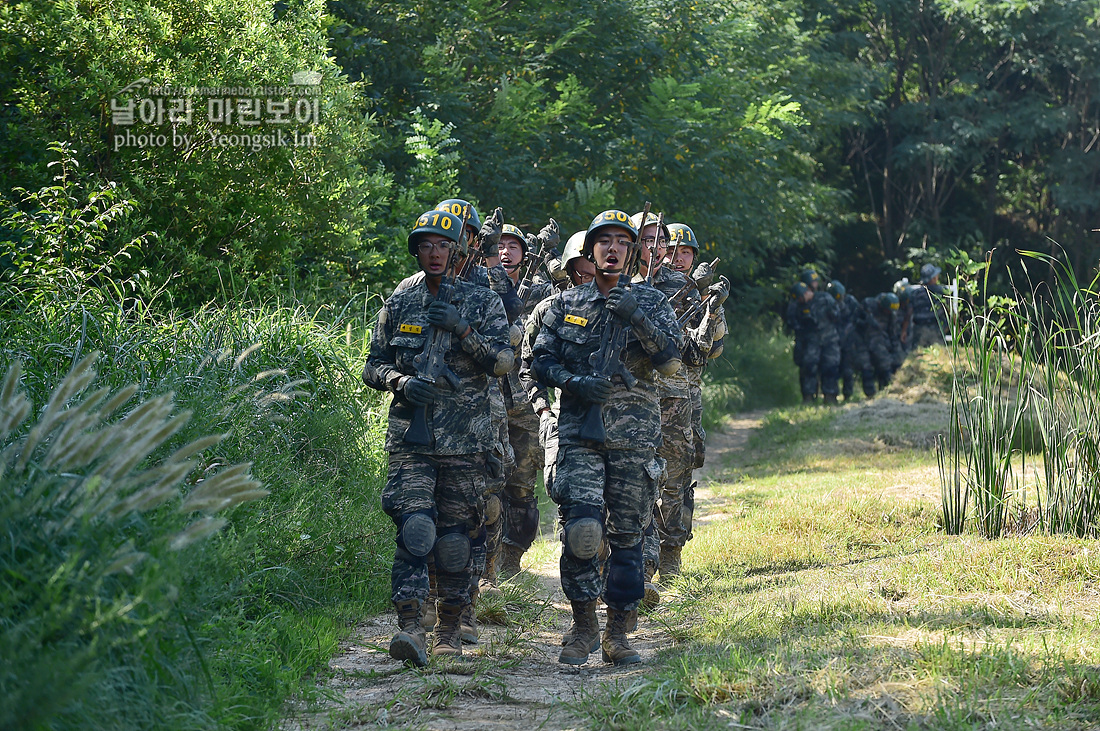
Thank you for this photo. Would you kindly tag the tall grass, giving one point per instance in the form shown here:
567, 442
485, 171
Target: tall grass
1026, 377
225, 634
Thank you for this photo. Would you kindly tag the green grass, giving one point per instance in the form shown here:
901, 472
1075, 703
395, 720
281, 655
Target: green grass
827, 596
225, 634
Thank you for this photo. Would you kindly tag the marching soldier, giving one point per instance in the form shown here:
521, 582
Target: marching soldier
929, 317
436, 486
606, 485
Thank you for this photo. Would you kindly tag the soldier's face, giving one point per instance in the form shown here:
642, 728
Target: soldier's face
610, 247
511, 253
649, 237
581, 271
682, 259
434, 253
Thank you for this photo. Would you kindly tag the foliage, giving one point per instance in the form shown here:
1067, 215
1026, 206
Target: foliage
74, 491
256, 611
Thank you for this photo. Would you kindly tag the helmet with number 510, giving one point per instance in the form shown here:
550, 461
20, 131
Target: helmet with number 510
444, 223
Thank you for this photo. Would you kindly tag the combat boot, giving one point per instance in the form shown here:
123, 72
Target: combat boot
428, 614
830, 399
488, 581
509, 560
409, 644
670, 562
616, 648
652, 595
467, 621
448, 640
583, 637
809, 398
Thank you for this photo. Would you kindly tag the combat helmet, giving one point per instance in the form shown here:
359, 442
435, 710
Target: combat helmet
572, 249
888, 301
462, 208
798, 290
435, 221
928, 272
680, 234
513, 231
809, 277
901, 289
836, 289
604, 220
651, 219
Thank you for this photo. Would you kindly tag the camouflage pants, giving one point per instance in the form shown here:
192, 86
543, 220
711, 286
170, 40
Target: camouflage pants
699, 435
678, 451
622, 486
820, 362
487, 552
451, 487
548, 438
521, 512
881, 358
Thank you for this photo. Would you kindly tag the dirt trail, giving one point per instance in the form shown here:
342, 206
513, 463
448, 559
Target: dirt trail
513, 680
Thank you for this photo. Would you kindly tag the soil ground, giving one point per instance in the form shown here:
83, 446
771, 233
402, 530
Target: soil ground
513, 680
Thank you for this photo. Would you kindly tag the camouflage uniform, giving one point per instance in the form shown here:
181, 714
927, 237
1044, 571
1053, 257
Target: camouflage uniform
854, 357
674, 509
445, 480
881, 336
928, 315
820, 356
521, 512
619, 476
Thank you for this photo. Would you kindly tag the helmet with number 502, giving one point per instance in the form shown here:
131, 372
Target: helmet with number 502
444, 223
606, 220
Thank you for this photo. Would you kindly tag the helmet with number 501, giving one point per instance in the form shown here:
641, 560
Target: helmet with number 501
462, 209
606, 220
444, 223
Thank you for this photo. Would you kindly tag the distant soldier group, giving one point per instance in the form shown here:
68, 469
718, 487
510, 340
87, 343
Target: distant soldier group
837, 337
504, 359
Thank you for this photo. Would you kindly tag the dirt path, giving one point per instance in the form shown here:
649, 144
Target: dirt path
513, 679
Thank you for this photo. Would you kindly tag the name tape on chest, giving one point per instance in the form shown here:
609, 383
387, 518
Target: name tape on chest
576, 320
415, 329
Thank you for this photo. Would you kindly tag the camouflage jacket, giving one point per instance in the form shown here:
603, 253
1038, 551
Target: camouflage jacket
537, 393
696, 342
573, 329
460, 422
494, 278
516, 392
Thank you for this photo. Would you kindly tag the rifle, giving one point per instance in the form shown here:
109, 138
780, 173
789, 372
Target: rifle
534, 264
695, 308
608, 360
653, 263
431, 364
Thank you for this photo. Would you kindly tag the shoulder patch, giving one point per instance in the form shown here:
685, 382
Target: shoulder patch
417, 329
576, 320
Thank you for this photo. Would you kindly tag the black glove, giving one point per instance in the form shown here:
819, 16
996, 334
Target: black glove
593, 389
550, 234
622, 303
718, 292
703, 275
489, 236
418, 392
446, 317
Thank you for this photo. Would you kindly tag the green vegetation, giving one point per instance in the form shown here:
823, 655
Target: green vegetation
829, 597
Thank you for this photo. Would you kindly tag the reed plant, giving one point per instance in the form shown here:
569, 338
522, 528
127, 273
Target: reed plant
228, 628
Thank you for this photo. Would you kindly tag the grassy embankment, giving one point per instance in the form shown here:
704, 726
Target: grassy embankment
826, 595
220, 634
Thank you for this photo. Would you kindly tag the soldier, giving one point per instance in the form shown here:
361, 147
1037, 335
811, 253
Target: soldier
675, 505
881, 336
609, 483
905, 313
435, 492
500, 460
796, 321
929, 316
685, 252
520, 507
821, 345
854, 358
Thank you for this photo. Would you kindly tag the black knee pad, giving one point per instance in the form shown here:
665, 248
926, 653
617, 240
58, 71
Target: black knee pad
583, 532
625, 579
521, 522
416, 536
453, 548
